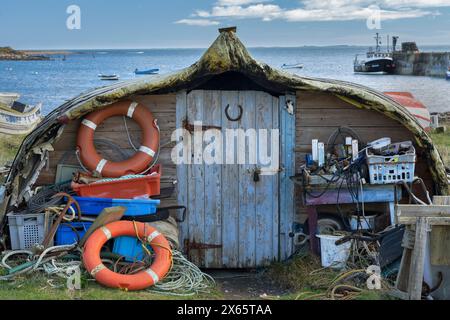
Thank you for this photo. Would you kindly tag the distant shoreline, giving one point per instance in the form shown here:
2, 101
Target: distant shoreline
9, 54
48, 52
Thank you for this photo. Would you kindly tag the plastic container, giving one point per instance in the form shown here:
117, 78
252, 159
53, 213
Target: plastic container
387, 170
149, 185
130, 248
136, 207
27, 230
367, 223
70, 233
332, 255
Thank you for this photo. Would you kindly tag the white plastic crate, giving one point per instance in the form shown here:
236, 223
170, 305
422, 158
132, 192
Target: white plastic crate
387, 170
27, 230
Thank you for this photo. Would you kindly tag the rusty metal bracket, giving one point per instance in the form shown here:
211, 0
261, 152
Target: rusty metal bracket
189, 246
190, 127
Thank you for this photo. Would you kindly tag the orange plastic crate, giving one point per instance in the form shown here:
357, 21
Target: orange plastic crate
149, 185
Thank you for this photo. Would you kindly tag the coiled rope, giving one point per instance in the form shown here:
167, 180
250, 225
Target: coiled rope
185, 279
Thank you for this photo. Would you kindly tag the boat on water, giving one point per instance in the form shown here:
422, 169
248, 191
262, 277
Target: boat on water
413, 106
292, 66
375, 61
17, 118
8, 98
149, 71
109, 77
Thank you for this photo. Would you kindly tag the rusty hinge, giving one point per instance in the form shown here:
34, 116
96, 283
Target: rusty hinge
188, 245
190, 127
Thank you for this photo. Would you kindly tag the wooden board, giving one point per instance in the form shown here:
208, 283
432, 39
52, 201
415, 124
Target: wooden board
440, 239
287, 188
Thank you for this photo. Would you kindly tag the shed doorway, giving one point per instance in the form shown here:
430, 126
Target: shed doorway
233, 204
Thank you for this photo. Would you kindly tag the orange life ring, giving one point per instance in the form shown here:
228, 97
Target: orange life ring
142, 280
134, 165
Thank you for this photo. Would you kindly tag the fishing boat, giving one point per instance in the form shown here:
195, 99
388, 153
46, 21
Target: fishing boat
17, 118
375, 61
149, 71
292, 66
109, 77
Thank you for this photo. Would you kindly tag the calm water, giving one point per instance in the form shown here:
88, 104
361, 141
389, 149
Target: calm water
54, 82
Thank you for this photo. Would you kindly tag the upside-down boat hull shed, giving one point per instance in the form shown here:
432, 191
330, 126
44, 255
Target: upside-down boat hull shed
246, 223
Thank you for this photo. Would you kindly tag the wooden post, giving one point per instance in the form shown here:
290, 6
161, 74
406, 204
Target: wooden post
312, 225
418, 260
440, 238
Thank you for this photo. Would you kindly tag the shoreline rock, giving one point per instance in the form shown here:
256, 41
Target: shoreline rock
7, 53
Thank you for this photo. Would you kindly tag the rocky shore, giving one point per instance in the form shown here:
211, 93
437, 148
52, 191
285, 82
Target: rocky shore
7, 53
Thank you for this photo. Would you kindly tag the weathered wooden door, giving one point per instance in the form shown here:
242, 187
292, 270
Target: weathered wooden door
233, 217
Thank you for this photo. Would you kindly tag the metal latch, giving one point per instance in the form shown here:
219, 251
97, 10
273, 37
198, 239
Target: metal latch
188, 245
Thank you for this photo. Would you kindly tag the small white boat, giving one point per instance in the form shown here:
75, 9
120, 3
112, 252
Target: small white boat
292, 66
17, 118
8, 98
109, 77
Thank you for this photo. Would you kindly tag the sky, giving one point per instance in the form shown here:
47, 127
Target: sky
106, 24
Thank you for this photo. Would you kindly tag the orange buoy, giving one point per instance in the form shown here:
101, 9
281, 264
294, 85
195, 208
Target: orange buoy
134, 165
139, 281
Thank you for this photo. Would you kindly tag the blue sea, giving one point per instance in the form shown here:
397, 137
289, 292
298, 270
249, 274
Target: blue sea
54, 82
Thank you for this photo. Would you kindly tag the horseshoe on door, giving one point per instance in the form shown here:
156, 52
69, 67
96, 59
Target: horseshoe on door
238, 118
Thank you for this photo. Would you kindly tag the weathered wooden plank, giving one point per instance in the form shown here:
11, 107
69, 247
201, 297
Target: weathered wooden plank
230, 192
320, 100
440, 238
196, 182
265, 188
416, 211
212, 115
435, 222
247, 206
306, 135
182, 170
418, 260
276, 182
287, 196
329, 117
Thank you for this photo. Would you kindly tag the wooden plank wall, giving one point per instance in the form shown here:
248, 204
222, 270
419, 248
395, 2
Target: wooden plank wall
164, 109
319, 114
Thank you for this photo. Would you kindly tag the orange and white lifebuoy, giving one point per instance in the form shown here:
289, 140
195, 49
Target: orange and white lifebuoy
139, 281
134, 165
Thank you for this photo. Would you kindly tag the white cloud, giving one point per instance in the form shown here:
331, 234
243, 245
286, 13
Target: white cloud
264, 11
320, 10
198, 22
238, 2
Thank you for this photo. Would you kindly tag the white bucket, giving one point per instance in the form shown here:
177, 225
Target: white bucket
366, 223
332, 255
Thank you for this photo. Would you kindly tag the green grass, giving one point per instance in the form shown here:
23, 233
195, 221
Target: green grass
36, 287
442, 141
9, 144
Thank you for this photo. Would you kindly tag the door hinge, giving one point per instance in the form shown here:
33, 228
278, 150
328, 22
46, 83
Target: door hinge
189, 246
190, 127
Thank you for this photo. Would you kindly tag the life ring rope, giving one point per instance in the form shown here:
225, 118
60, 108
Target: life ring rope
162, 263
145, 155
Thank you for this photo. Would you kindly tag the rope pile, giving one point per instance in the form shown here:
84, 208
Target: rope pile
185, 279
47, 261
